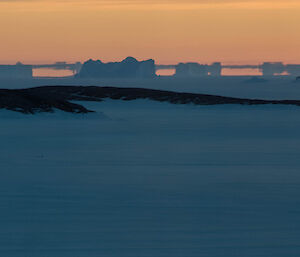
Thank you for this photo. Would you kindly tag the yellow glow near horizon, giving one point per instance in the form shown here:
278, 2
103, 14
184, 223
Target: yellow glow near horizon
35, 31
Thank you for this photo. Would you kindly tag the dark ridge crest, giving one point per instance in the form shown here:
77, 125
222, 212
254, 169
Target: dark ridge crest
48, 98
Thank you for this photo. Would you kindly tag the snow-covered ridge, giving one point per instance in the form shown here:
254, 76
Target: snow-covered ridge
46, 98
268, 88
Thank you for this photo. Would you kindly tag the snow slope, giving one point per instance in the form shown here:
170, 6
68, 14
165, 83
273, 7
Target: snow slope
145, 178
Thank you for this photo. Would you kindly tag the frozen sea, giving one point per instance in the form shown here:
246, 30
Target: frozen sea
148, 179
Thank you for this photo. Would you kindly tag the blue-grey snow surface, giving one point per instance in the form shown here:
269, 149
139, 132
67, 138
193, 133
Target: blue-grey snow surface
149, 179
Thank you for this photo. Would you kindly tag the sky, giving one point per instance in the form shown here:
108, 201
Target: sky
169, 31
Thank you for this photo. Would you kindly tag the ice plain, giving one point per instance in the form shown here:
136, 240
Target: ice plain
142, 178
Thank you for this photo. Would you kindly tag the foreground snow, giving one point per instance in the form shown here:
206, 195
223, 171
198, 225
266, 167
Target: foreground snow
143, 178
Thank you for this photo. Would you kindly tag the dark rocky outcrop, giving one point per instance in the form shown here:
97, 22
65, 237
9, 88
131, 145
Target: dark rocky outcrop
48, 98
128, 68
29, 102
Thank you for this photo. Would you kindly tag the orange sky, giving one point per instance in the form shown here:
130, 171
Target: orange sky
170, 31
